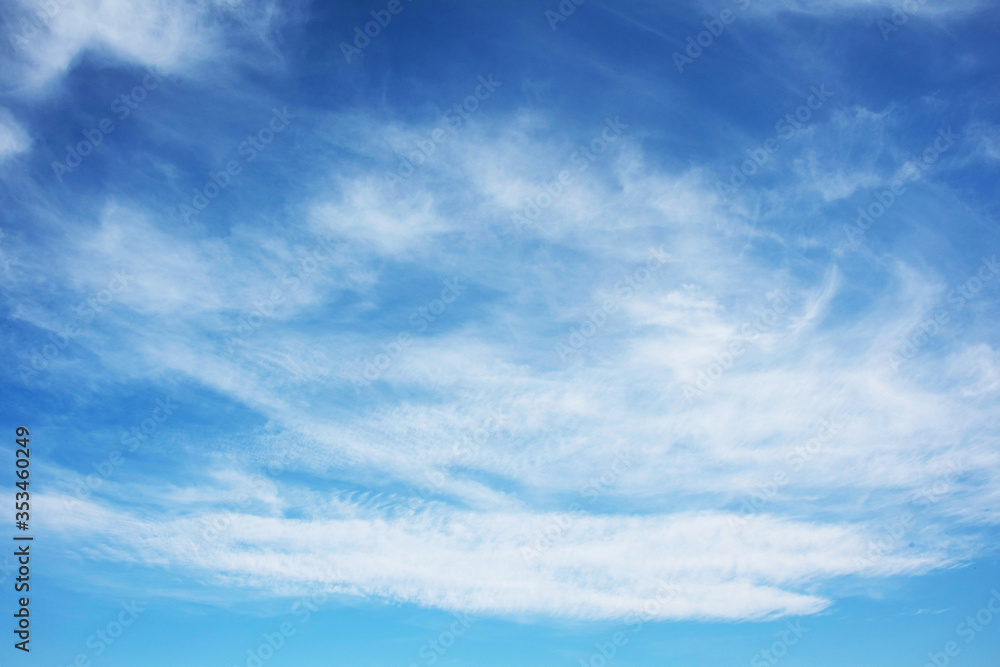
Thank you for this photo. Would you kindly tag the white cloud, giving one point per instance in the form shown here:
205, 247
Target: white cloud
174, 35
694, 459
503, 563
13, 139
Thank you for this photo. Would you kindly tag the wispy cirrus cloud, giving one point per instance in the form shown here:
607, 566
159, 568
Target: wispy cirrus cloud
560, 421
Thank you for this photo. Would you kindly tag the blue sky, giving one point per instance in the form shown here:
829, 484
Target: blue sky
509, 333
